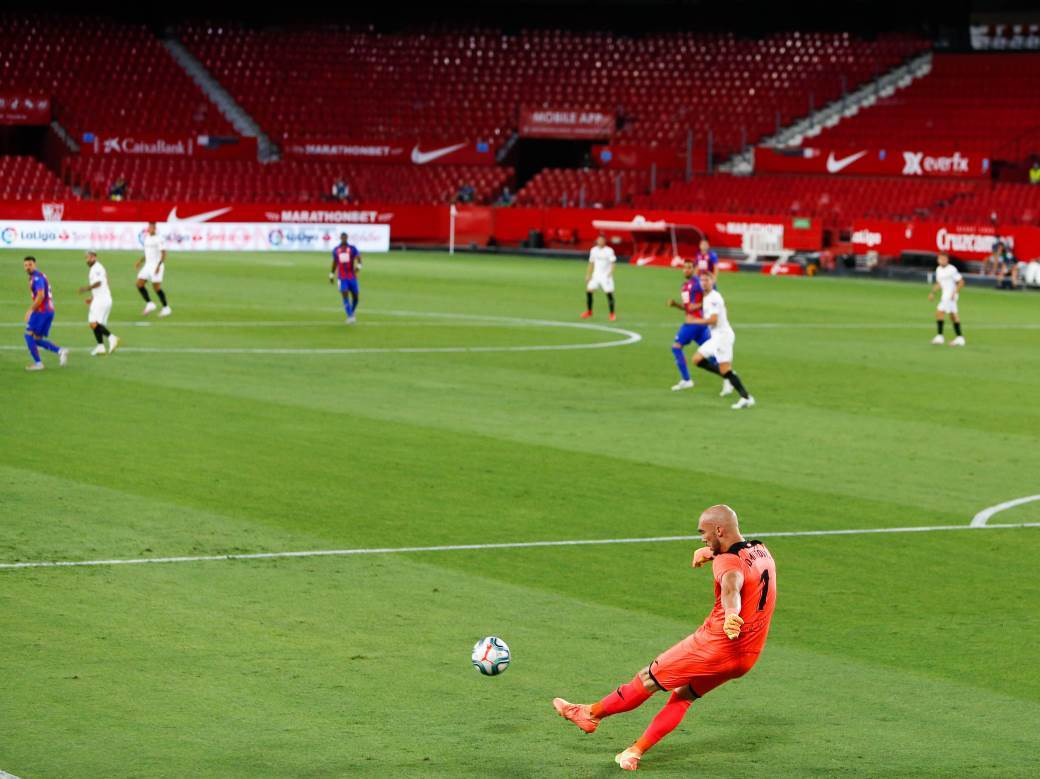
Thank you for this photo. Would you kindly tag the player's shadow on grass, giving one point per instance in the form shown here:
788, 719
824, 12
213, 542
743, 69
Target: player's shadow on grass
682, 752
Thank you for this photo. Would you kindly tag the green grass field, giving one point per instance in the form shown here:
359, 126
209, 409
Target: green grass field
903, 654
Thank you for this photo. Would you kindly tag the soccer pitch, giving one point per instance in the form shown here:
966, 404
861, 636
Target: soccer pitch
467, 408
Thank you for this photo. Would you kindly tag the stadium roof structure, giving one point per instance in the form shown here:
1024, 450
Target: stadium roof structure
629, 17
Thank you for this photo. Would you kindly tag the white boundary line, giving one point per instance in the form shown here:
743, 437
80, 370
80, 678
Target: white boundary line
332, 322
630, 337
980, 519
475, 547
288, 324
847, 325
5, 775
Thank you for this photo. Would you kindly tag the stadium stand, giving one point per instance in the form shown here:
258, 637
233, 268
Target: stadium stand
319, 85
983, 104
104, 76
1010, 203
595, 188
830, 198
26, 178
315, 85
742, 89
156, 178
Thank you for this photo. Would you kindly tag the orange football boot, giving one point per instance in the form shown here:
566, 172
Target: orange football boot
577, 713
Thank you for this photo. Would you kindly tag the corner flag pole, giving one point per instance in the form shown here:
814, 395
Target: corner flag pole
451, 229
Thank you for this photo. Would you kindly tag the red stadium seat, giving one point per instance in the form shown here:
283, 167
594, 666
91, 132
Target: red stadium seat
158, 178
982, 104
332, 84
835, 200
104, 77
26, 178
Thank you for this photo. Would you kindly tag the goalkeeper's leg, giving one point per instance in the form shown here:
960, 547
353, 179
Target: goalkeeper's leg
625, 698
667, 719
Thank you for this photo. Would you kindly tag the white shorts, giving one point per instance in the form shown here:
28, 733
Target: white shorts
99, 311
719, 346
948, 305
152, 273
605, 283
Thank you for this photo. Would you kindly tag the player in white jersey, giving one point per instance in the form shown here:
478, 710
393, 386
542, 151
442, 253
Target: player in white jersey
100, 302
949, 280
720, 344
600, 275
154, 266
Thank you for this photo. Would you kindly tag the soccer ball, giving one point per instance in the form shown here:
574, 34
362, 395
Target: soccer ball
491, 656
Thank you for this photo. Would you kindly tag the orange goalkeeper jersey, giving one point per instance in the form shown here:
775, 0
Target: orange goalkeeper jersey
757, 598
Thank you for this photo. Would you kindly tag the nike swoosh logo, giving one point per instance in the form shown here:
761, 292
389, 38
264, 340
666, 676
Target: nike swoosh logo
172, 216
422, 157
836, 166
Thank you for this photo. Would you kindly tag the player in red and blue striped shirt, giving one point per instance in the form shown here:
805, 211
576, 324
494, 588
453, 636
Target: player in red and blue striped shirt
689, 303
39, 317
706, 259
346, 264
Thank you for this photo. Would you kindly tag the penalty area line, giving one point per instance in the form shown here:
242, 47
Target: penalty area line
980, 519
508, 545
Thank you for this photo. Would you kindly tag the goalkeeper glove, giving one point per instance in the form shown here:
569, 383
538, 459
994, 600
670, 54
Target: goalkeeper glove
731, 627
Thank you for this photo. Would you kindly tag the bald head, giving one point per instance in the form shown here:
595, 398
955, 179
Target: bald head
720, 515
719, 528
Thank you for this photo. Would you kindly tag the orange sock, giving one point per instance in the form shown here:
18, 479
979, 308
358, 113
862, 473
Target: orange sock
667, 719
624, 698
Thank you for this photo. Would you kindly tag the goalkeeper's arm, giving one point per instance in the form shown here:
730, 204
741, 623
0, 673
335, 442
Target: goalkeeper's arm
702, 556
732, 581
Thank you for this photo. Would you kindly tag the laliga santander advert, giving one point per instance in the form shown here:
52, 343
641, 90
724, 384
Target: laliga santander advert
406, 223
971, 242
203, 236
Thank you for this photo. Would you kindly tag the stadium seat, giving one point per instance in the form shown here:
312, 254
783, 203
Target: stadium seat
104, 77
591, 188
835, 200
983, 104
321, 85
26, 178
158, 178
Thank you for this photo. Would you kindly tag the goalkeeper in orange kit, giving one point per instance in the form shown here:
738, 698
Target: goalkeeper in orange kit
725, 647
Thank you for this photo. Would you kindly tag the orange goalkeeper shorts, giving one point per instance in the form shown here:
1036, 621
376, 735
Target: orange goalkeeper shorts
701, 665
